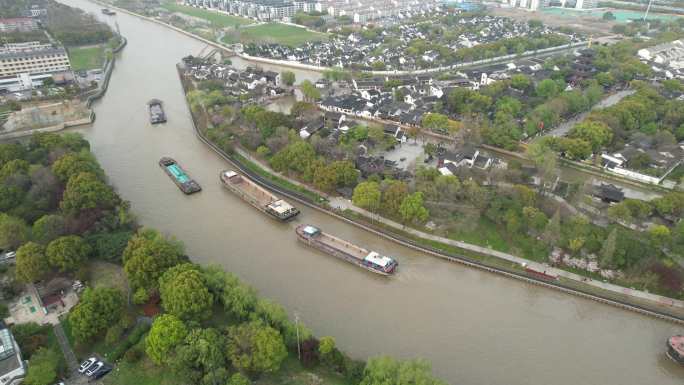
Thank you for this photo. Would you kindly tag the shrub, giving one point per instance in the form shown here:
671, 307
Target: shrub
133, 338
114, 334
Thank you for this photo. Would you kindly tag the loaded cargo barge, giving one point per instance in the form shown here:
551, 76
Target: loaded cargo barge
178, 175
257, 196
675, 349
157, 114
369, 260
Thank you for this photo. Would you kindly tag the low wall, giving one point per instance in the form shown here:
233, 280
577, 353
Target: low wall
109, 67
659, 300
55, 128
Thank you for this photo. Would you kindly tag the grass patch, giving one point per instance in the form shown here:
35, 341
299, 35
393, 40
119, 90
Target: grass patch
143, 372
218, 20
86, 58
104, 274
277, 180
276, 33
292, 372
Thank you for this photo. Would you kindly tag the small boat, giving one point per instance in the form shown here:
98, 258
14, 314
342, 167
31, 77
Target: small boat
675, 349
369, 260
257, 196
178, 175
108, 12
157, 114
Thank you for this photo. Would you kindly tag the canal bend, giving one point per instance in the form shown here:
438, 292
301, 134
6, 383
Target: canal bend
475, 327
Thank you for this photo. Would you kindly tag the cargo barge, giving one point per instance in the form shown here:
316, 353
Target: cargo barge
157, 114
257, 196
675, 349
369, 260
178, 175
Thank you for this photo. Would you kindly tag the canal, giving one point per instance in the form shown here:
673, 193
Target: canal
475, 327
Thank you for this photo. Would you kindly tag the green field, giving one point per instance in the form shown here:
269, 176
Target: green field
276, 33
218, 20
86, 58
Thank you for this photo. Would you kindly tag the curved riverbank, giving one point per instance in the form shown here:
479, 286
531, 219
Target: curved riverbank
452, 257
444, 312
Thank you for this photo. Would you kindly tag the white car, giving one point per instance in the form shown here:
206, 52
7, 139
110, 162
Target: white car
94, 368
87, 364
10, 254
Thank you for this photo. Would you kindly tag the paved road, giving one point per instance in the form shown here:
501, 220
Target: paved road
72, 363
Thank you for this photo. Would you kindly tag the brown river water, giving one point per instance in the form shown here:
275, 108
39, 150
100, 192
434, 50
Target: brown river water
475, 327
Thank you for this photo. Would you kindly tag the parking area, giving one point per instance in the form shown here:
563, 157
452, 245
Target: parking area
407, 155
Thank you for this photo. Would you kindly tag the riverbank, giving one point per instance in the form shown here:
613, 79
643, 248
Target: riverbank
321, 69
471, 255
87, 99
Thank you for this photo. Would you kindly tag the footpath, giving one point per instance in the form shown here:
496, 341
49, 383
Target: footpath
342, 204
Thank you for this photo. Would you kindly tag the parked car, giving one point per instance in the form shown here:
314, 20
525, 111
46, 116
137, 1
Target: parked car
102, 372
94, 368
87, 364
10, 255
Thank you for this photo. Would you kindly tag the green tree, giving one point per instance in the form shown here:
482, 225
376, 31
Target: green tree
86, 191
184, 293
520, 82
288, 78
659, 235
239, 379
42, 367
598, 134
412, 209
202, 352
393, 194
13, 232
547, 88
48, 228
255, 347
385, 370
608, 249
147, 256
166, 334
367, 196
97, 309
68, 253
310, 92
32, 264
72, 164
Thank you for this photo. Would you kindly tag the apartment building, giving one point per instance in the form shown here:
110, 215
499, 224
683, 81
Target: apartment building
39, 59
18, 24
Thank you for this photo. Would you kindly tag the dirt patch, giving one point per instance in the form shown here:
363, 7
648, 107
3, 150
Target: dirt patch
105, 274
588, 24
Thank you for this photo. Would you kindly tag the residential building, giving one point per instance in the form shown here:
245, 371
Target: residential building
12, 367
40, 60
18, 24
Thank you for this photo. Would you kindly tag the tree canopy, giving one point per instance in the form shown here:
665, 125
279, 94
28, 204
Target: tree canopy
184, 292
97, 309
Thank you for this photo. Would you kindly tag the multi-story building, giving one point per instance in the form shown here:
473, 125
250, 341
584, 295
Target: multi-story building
12, 367
32, 59
361, 11
18, 24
